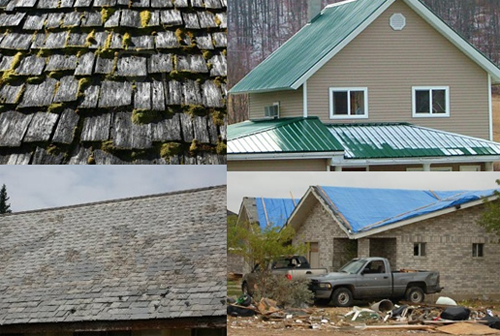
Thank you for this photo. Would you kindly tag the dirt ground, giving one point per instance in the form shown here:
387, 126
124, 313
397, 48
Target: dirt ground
334, 323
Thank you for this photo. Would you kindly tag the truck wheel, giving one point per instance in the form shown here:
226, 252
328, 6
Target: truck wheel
415, 295
245, 289
342, 297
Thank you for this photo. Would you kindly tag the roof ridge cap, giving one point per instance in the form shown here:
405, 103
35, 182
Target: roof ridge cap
117, 200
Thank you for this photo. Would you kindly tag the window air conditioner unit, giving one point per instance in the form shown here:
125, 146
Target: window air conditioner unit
273, 111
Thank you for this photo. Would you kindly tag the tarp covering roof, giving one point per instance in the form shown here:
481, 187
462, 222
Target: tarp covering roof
274, 212
382, 207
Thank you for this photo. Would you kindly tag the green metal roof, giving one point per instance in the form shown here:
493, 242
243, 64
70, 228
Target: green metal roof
402, 140
286, 135
306, 48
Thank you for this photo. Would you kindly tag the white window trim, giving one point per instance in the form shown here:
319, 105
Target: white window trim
348, 89
430, 114
420, 244
477, 250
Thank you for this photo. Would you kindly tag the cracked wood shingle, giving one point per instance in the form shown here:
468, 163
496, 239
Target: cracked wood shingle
67, 91
41, 127
187, 127
213, 131
80, 155
114, 94
66, 127
219, 66
220, 40
167, 130
142, 42
128, 135
19, 159
200, 128
85, 65
96, 128
204, 41
160, 63
42, 156
166, 39
35, 21
191, 93
191, 63
13, 127
31, 65
92, 19
91, 97
142, 98
172, 17
37, 95
61, 62
16, 41
11, 20
104, 65
113, 20
158, 96
174, 94
207, 20
56, 40
9, 94
191, 20
132, 66
212, 96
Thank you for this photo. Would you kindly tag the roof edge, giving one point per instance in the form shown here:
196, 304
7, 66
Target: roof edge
115, 200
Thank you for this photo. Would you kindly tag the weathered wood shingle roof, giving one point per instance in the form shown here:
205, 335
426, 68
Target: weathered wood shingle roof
154, 257
112, 81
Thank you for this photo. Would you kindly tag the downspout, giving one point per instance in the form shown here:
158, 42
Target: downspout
490, 108
304, 89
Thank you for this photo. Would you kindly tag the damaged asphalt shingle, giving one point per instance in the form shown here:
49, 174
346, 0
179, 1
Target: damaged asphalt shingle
132, 259
151, 69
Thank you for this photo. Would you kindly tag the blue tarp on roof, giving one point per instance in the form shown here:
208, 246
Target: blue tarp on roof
274, 212
364, 209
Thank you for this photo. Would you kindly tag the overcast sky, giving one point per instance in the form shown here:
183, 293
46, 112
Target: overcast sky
284, 185
36, 187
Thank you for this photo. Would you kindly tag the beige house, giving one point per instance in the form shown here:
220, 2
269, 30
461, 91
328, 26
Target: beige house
426, 230
367, 62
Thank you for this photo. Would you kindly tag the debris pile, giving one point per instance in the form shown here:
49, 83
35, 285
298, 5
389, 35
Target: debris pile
447, 318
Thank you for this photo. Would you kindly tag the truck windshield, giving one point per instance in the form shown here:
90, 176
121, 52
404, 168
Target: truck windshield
353, 267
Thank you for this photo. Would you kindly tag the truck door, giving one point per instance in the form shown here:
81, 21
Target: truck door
375, 281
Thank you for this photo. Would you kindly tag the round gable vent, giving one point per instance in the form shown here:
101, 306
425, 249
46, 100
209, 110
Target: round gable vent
398, 21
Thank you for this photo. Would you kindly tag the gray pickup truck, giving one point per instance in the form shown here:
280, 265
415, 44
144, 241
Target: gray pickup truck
292, 267
371, 278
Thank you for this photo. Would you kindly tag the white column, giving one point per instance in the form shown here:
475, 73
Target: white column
304, 93
426, 166
488, 166
338, 168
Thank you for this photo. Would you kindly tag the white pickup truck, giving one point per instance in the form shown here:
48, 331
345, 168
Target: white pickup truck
293, 267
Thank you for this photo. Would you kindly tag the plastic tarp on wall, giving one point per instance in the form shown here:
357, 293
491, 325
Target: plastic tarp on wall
363, 209
274, 212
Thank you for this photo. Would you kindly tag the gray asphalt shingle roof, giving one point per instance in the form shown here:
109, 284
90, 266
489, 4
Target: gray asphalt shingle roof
153, 257
109, 72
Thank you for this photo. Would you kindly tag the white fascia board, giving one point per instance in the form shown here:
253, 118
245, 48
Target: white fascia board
432, 160
283, 156
490, 108
260, 91
294, 212
419, 218
342, 44
455, 39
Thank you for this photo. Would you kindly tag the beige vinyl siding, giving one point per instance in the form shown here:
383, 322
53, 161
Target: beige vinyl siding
291, 103
278, 165
391, 62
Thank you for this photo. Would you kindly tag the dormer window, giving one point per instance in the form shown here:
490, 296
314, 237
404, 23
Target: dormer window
348, 103
431, 101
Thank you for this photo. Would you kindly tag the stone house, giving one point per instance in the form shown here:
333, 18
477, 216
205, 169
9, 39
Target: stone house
369, 85
417, 229
143, 266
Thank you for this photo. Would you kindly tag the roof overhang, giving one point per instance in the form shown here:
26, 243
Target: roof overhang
343, 162
396, 225
283, 156
261, 91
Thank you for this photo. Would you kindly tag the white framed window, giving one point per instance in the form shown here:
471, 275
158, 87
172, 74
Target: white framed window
419, 249
431, 101
477, 250
348, 103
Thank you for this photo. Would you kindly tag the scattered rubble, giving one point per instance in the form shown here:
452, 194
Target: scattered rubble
449, 318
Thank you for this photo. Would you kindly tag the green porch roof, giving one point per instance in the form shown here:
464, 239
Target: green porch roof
286, 135
403, 140
307, 47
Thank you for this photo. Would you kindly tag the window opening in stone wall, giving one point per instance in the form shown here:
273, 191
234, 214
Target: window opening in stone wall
419, 249
477, 250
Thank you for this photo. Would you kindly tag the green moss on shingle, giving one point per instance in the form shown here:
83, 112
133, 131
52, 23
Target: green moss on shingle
55, 108
106, 14
194, 146
170, 149
90, 39
127, 39
145, 18
221, 148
